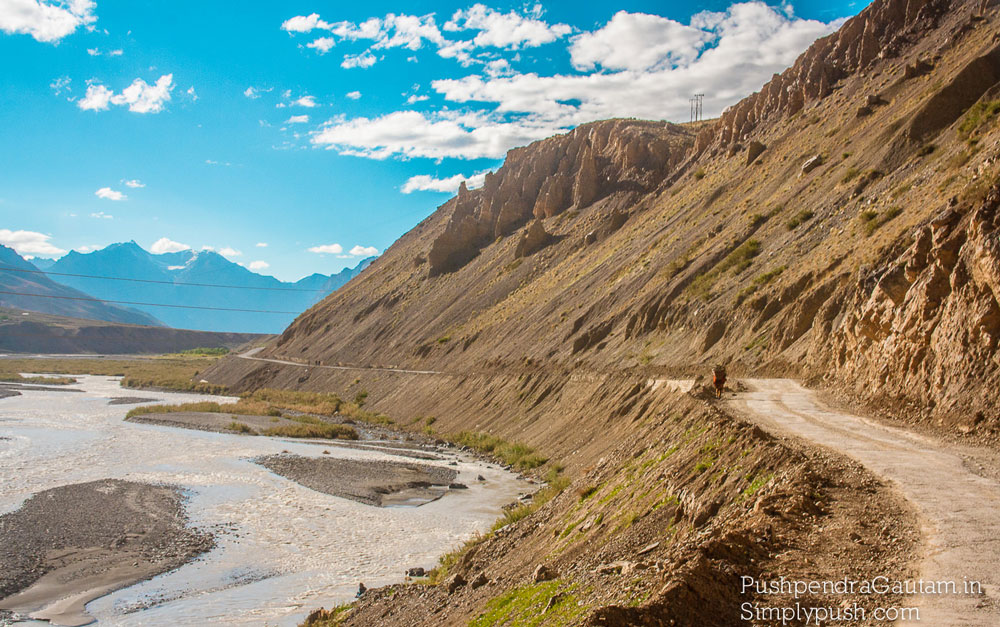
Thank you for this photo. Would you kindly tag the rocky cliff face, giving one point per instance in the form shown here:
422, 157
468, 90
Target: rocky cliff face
924, 327
884, 30
552, 176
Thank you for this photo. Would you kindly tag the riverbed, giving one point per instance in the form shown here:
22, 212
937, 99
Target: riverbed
281, 549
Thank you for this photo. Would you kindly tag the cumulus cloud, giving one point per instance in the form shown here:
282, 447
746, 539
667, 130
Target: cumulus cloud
505, 30
353, 95
635, 65
30, 243
44, 20
252, 93
303, 23
139, 97
322, 45
363, 251
165, 245
436, 136
258, 265
261, 244
134, 183
305, 101
364, 60
638, 41
426, 182
230, 252
96, 52
298, 119
332, 249
110, 194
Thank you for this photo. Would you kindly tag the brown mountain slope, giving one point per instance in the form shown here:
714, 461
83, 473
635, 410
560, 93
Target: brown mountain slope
798, 233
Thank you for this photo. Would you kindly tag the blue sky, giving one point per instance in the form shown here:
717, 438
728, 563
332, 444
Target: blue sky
326, 126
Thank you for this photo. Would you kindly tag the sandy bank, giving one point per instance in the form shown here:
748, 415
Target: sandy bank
379, 483
69, 545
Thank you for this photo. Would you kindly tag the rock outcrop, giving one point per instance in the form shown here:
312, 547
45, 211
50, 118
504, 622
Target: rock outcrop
880, 31
534, 238
555, 175
925, 327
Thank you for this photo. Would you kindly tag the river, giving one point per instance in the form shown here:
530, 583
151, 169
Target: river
286, 549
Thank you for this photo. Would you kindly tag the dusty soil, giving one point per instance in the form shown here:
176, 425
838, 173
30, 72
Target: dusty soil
957, 508
69, 545
378, 483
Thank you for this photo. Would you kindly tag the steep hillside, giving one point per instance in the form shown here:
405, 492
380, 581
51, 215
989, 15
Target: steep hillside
838, 225
169, 271
18, 276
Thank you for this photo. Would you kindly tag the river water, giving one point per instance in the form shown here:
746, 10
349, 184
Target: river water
287, 549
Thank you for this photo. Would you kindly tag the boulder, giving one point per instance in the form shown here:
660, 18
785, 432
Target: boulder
754, 150
812, 163
479, 580
534, 238
454, 582
416, 572
544, 573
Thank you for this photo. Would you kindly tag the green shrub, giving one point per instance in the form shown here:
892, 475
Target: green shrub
699, 173
798, 219
241, 427
322, 430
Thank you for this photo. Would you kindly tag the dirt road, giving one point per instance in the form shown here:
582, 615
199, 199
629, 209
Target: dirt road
250, 355
959, 510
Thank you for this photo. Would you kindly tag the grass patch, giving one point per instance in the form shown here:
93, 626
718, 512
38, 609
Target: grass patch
699, 173
241, 427
16, 377
798, 219
514, 454
321, 430
738, 261
333, 617
546, 603
976, 117
872, 220
175, 372
587, 492
850, 175
756, 484
205, 351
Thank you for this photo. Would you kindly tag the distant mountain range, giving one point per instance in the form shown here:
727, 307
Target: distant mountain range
167, 279
56, 298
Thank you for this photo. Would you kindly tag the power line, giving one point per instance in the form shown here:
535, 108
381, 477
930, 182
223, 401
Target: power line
112, 278
127, 302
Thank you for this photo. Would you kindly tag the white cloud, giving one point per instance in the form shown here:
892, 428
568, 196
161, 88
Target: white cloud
230, 252
61, 84
258, 265
251, 93
89, 248
414, 98
101, 214
94, 52
164, 245
306, 101
110, 194
45, 21
191, 92
332, 249
353, 95
134, 184
505, 30
436, 136
322, 45
638, 41
426, 182
30, 243
140, 97
261, 244
363, 251
364, 60
303, 23
116, 53
298, 119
